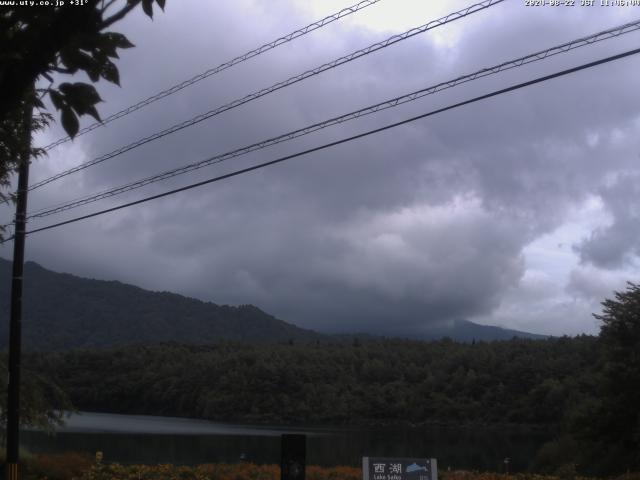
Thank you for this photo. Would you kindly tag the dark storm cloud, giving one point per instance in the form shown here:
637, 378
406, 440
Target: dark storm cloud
418, 225
617, 244
379, 270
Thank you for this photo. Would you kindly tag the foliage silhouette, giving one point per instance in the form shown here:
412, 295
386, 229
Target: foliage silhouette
40, 42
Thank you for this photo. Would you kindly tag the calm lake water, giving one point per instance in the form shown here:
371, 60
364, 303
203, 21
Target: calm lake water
148, 439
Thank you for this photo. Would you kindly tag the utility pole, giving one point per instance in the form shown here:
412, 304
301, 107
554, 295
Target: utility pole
15, 325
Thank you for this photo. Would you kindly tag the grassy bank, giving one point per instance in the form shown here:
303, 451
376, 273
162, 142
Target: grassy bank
78, 466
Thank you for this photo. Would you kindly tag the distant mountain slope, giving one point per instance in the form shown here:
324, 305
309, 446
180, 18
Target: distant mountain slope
465, 331
63, 311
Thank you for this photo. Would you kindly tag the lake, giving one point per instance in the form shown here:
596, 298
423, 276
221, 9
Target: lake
149, 439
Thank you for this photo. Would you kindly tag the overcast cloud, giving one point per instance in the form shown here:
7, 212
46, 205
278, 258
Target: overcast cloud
520, 211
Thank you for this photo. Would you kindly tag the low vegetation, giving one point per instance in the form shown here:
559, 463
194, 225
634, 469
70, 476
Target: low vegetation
83, 467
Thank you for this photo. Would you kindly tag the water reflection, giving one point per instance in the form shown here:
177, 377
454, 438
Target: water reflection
188, 442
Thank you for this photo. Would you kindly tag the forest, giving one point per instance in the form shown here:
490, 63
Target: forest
556, 384
516, 382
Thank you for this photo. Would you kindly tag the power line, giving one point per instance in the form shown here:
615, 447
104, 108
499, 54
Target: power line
277, 86
345, 140
530, 58
223, 66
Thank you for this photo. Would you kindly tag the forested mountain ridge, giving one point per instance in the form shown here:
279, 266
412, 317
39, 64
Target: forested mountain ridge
63, 311
466, 331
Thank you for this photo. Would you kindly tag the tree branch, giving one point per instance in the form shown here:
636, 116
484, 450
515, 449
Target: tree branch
61, 70
118, 16
106, 7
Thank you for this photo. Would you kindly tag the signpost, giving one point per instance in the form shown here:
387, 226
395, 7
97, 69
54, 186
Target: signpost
386, 468
294, 457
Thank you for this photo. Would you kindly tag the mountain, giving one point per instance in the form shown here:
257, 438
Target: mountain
466, 331
63, 311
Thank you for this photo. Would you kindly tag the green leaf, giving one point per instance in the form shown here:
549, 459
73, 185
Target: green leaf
74, 59
107, 49
111, 54
94, 113
80, 93
147, 6
66, 57
110, 73
70, 122
57, 99
100, 58
81, 97
117, 39
93, 73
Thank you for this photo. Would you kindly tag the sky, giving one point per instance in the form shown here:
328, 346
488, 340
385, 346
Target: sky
519, 211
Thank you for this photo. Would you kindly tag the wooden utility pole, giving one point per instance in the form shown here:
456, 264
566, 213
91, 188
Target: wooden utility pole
15, 325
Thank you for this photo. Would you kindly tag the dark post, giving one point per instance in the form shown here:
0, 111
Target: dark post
294, 453
15, 326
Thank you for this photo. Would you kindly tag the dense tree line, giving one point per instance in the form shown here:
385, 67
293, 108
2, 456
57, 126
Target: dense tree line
562, 384
519, 381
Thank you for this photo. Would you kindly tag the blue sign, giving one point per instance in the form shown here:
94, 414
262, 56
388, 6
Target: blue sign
386, 468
